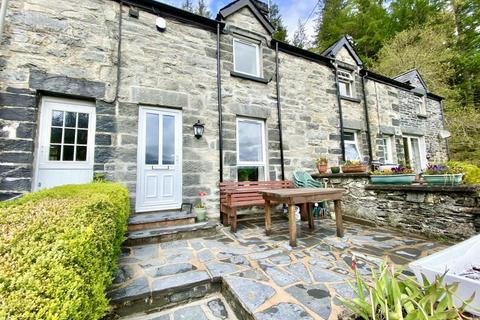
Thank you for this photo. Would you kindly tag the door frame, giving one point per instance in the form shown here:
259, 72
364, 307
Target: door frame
422, 149
43, 123
142, 110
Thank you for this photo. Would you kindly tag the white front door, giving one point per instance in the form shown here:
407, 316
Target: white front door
159, 182
65, 152
415, 153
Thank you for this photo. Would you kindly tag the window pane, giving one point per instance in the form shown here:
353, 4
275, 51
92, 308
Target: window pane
250, 174
168, 142
70, 119
417, 164
246, 58
406, 151
54, 153
349, 136
56, 135
83, 120
82, 136
151, 139
57, 118
344, 88
351, 152
250, 141
69, 136
68, 153
81, 153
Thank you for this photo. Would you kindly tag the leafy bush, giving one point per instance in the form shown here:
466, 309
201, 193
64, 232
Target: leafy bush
58, 250
472, 172
391, 295
440, 169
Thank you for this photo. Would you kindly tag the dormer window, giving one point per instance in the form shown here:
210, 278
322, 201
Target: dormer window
246, 57
345, 83
420, 105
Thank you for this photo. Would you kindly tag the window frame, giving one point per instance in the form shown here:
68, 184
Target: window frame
387, 149
354, 142
346, 76
257, 49
247, 164
422, 104
422, 151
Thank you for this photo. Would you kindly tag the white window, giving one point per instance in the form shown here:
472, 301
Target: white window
251, 151
345, 83
246, 57
414, 152
420, 105
352, 152
387, 149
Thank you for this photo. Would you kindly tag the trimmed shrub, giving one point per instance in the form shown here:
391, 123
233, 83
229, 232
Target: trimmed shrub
472, 172
59, 249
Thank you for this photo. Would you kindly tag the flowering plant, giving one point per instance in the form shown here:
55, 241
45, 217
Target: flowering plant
393, 171
322, 161
353, 163
201, 204
439, 169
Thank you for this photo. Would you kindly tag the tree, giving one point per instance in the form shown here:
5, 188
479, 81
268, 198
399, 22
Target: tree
330, 24
409, 13
300, 38
276, 20
202, 9
187, 5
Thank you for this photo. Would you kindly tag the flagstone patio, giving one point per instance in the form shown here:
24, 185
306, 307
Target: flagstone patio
259, 276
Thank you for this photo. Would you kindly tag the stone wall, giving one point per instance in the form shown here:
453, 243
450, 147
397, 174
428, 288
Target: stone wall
446, 212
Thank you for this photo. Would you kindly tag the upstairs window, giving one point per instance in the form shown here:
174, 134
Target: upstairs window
345, 83
352, 152
420, 105
246, 58
251, 151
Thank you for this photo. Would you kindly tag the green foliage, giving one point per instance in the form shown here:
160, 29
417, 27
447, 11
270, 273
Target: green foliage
202, 9
276, 20
471, 171
392, 171
300, 38
391, 295
58, 250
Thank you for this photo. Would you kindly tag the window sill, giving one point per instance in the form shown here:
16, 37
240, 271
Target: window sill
350, 99
422, 115
249, 77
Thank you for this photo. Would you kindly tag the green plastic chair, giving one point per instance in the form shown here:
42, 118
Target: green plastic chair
302, 179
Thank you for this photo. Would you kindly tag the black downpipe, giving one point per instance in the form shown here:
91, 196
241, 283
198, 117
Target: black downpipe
340, 111
219, 101
367, 120
279, 109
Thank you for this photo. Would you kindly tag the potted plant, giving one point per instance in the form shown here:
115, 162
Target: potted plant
335, 170
442, 174
199, 209
352, 166
395, 175
322, 165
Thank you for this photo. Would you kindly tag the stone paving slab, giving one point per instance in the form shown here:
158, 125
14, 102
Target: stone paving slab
263, 273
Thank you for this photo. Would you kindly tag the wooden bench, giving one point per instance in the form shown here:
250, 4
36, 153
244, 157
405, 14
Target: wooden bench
234, 195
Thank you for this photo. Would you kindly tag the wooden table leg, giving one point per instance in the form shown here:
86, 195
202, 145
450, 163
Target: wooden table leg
311, 222
304, 211
338, 217
268, 218
292, 225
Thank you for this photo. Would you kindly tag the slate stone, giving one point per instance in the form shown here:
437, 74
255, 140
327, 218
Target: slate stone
18, 114
205, 255
103, 139
251, 294
123, 274
280, 259
218, 269
409, 253
283, 311
190, 313
321, 263
238, 260
300, 271
174, 244
145, 252
15, 145
163, 317
218, 308
18, 100
56, 83
26, 130
178, 255
170, 269
266, 254
279, 276
344, 290
197, 245
179, 280
315, 297
138, 288
323, 275
252, 274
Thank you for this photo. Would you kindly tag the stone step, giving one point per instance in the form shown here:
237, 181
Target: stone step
170, 233
151, 220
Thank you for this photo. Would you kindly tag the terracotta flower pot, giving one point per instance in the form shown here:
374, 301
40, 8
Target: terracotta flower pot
356, 168
322, 168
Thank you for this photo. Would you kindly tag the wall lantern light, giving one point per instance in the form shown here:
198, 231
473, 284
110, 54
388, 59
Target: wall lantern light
198, 129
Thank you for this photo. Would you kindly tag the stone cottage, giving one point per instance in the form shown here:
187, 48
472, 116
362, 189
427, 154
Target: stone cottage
116, 87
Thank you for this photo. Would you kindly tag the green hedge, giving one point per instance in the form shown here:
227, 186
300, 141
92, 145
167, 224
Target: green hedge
472, 172
58, 251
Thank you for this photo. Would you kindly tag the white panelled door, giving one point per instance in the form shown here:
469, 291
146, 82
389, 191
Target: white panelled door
65, 152
159, 182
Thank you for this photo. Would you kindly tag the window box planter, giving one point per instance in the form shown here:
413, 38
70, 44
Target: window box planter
458, 261
397, 179
443, 179
355, 168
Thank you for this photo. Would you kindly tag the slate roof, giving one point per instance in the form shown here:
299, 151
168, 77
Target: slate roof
332, 51
409, 78
237, 5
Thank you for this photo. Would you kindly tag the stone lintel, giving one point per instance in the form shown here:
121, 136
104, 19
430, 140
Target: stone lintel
158, 97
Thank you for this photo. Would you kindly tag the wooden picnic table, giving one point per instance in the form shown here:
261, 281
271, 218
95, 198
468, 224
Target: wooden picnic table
291, 197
